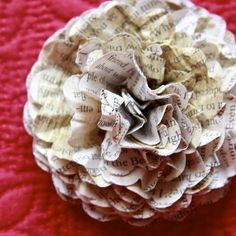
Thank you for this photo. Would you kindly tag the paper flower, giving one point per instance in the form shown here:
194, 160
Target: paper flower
132, 108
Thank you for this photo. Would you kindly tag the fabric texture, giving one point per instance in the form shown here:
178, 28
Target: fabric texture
29, 204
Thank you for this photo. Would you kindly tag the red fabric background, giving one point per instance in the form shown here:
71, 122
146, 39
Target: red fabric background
29, 204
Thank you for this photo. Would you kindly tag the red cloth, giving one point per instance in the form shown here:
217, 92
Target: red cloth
29, 205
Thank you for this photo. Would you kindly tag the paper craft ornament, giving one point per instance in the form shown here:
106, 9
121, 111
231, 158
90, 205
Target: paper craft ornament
132, 109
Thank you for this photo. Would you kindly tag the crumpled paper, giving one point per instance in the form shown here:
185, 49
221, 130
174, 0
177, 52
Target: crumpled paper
132, 109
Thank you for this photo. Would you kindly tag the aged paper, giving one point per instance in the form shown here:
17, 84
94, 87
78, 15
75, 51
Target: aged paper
132, 107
